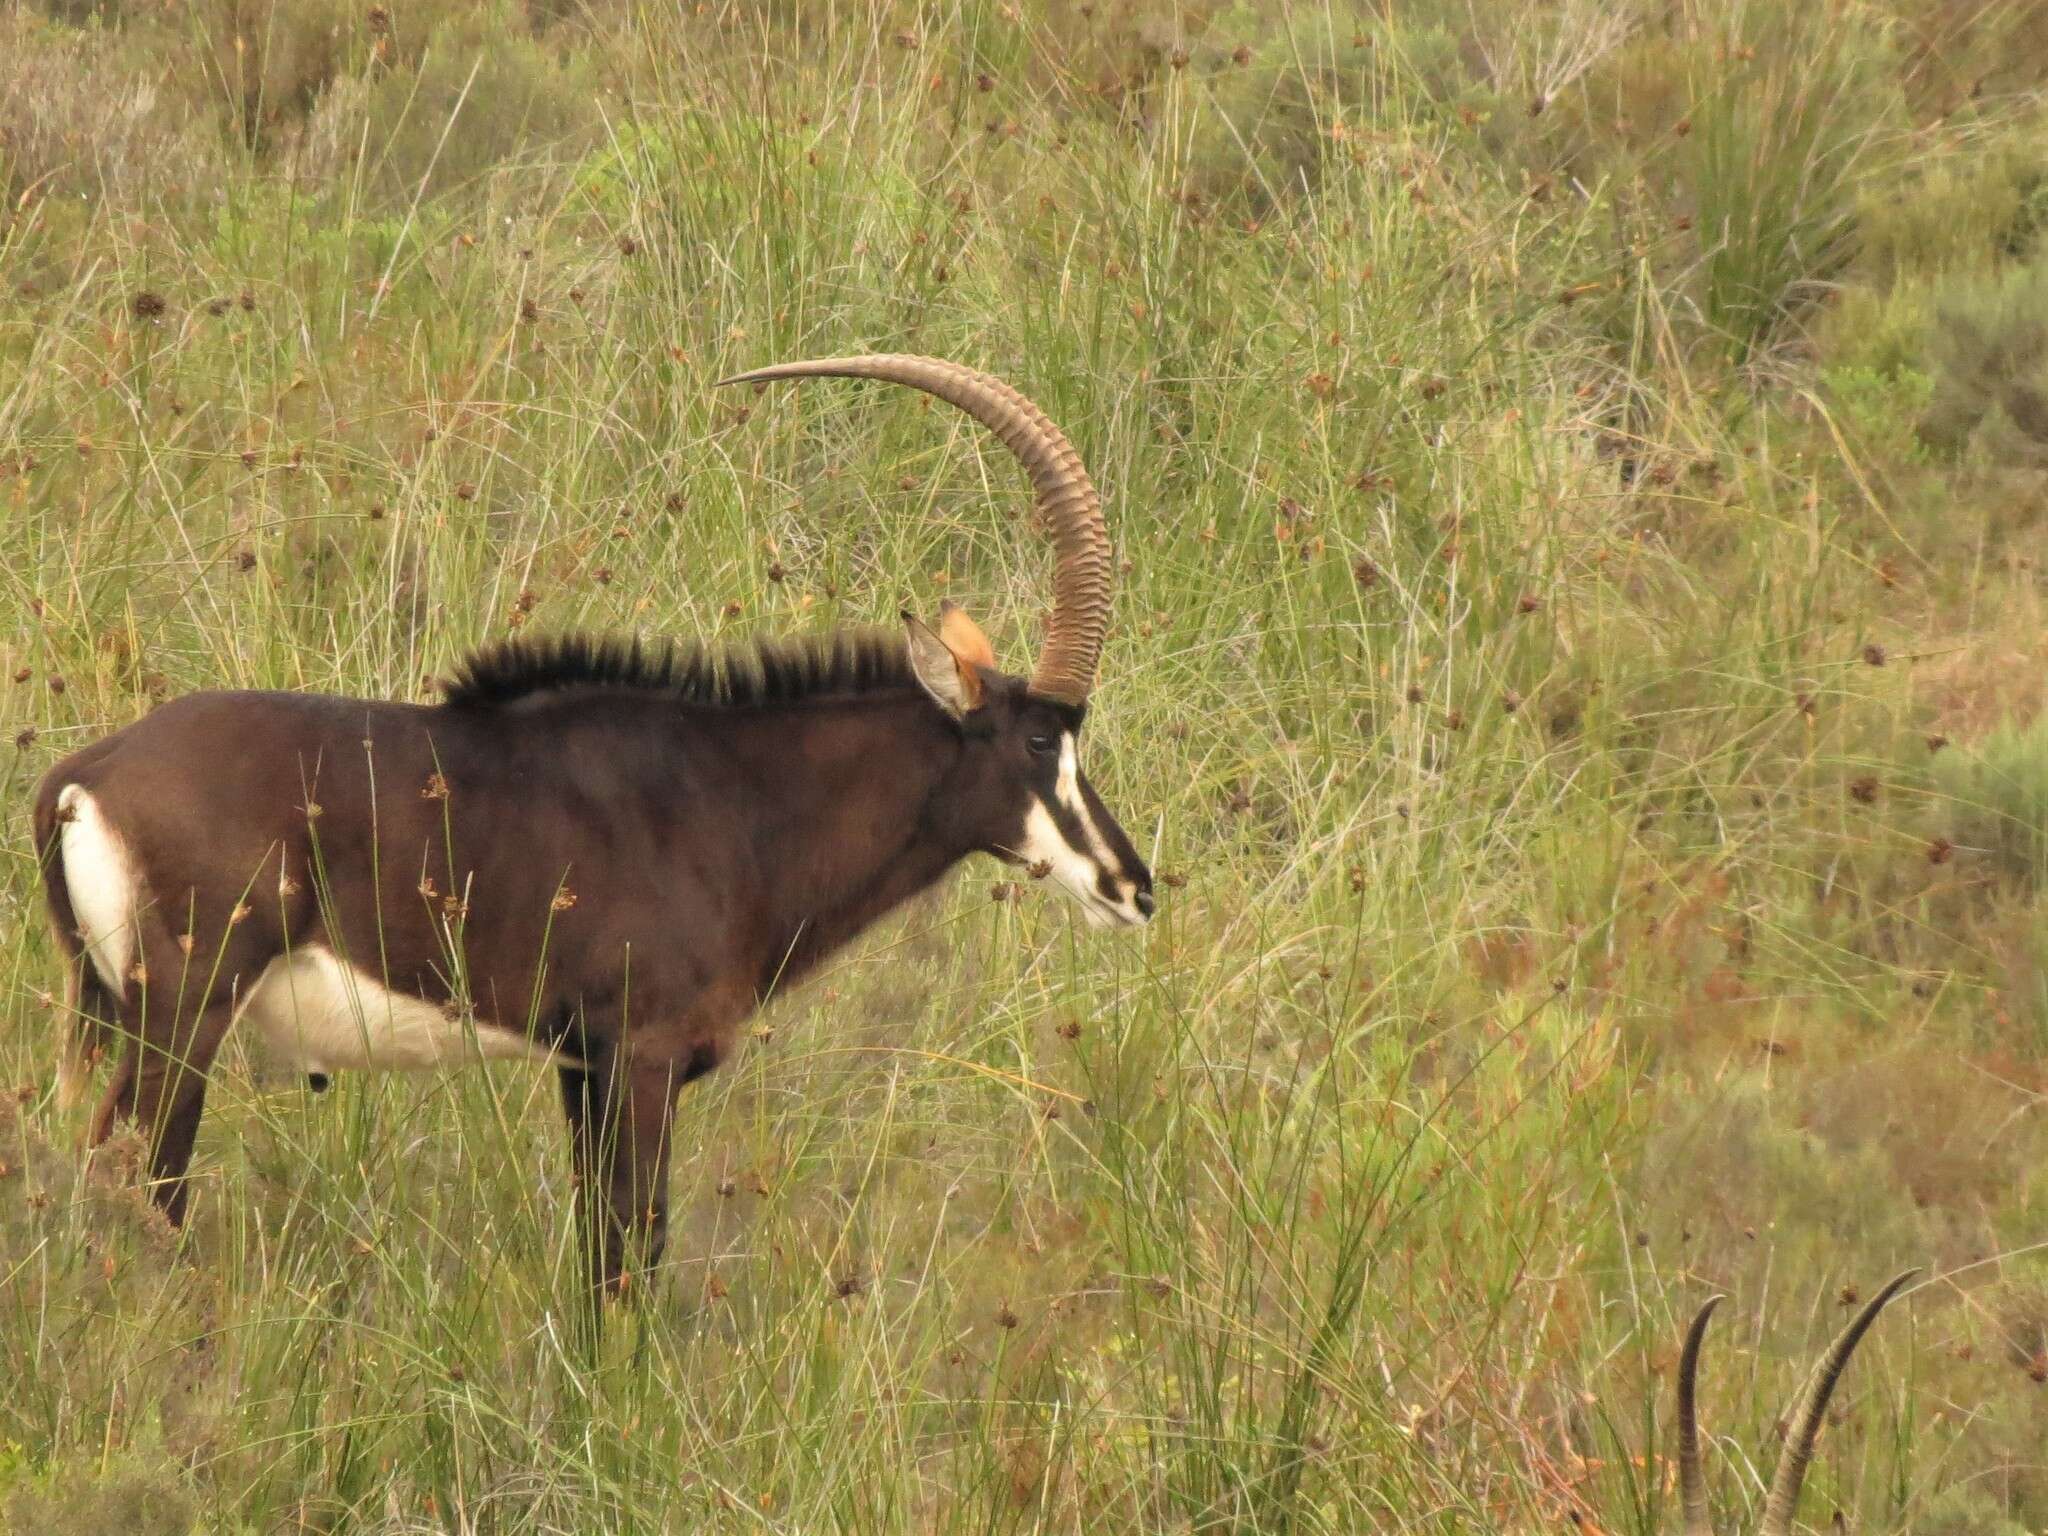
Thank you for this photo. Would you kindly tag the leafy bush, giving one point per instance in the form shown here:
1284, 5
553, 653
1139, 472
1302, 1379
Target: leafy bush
83, 113
1270, 94
272, 58
1996, 798
1990, 350
1966, 207
1879, 408
132, 1495
1965, 1511
486, 90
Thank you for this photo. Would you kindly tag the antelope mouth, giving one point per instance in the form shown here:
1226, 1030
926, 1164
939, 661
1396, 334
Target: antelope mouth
1129, 912
1131, 909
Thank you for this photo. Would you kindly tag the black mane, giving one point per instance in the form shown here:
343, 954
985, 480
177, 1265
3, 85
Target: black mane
766, 672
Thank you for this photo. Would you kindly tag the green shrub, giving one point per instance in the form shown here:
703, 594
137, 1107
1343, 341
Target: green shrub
1967, 207
1966, 1511
1990, 350
1882, 330
84, 1500
1879, 407
1269, 93
85, 112
486, 90
271, 59
1996, 798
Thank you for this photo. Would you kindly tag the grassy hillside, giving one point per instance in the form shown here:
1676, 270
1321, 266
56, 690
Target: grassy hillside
1580, 473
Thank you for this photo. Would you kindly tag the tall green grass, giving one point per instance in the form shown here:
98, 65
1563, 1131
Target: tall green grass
1525, 699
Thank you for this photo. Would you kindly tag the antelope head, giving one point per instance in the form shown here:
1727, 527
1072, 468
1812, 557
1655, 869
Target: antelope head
1805, 1428
1016, 789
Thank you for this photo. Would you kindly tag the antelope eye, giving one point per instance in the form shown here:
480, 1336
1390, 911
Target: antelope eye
1042, 745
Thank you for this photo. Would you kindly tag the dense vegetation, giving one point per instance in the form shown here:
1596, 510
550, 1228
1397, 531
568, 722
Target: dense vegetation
1580, 469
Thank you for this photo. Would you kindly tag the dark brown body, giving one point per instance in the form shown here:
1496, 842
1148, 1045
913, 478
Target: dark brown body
565, 840
621, 872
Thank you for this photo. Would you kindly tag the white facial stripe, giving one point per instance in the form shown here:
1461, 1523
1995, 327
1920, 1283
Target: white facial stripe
1068, 786
1076, 869
1072, 869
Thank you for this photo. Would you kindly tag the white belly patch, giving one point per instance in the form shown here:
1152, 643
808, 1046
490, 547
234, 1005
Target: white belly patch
311, 1012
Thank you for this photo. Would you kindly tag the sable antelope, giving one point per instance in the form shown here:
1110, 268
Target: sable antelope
589, 853
1783, 1500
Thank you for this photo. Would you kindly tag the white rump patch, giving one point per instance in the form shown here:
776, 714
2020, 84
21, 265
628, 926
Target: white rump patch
100, 877
313, 1013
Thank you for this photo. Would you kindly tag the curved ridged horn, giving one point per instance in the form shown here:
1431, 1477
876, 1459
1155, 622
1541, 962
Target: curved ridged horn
1791, 1473
1692, 1487
1065, 671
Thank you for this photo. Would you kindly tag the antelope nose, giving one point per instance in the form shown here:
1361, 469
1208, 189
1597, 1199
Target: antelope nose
1144, 903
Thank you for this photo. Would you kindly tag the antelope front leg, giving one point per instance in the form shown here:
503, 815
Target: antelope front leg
620, 1113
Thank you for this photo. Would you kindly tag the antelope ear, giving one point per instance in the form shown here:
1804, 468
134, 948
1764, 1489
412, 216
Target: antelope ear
952, 682
963, 636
